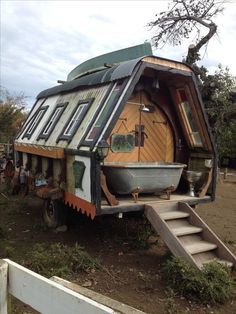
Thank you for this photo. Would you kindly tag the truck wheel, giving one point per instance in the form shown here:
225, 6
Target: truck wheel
54, 213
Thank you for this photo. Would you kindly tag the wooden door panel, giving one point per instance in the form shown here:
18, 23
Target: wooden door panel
126, 124
158, 145
158, 138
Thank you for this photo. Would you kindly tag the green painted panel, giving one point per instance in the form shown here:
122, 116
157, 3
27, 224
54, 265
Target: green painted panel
78, 171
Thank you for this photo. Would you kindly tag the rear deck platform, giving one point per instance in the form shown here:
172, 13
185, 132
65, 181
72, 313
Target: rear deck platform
127, 203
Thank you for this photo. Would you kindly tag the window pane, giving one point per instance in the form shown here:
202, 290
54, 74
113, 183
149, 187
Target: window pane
35, 121
190, 119
52, 120
102, 116
74, 120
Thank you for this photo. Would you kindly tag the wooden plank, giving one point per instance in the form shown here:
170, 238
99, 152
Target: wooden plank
180, 231
200, 246
117, 306
47, 296
206, 185
167, 63
175, 214
3, 287
111, 199
165, 232
52, 152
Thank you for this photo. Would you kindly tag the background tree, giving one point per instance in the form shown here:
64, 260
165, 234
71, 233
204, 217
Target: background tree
219, 95
185, 18
193, 20
12, 114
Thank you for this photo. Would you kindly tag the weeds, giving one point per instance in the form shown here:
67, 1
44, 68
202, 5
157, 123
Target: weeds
143, 234
214, 284
61, 260
170, 306
229, 241
3, 233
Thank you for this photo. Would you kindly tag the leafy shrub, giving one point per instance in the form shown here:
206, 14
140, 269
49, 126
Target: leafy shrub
214, 284
61, 260
3, 233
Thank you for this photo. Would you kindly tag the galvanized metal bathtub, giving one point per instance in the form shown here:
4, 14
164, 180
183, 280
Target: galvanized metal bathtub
143, 177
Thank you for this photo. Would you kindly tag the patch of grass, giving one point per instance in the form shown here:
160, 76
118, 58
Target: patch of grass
6, 250
214, 284
40, 227
3, 232
229, 241
60, 260
144, 231
170, 306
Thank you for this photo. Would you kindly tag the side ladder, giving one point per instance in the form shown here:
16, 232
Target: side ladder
187, 235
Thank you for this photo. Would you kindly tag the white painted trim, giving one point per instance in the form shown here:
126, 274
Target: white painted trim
46, 296
3, 287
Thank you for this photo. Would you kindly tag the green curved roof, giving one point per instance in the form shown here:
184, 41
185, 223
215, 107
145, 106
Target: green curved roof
110, 59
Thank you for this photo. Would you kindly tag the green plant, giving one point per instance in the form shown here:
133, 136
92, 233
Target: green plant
3, 233
214, 284
228, 241
60, 259
144, 231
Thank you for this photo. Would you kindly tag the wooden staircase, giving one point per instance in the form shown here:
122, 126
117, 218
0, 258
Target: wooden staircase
187, 235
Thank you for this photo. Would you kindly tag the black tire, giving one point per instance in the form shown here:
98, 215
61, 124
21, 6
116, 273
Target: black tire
54, 213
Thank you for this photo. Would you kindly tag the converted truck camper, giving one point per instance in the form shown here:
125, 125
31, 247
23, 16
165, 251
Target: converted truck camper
125, 131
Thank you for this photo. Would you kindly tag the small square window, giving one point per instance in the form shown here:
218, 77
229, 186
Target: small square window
75, 119
37, 117
52, 121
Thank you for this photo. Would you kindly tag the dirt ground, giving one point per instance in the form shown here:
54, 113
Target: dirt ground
130, 273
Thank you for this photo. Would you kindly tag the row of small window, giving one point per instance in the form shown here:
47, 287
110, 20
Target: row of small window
103, 111
68, 130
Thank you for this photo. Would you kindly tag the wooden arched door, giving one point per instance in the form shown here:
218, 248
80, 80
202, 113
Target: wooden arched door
151, 130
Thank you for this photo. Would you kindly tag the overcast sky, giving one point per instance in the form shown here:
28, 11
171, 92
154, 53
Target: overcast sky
42, 41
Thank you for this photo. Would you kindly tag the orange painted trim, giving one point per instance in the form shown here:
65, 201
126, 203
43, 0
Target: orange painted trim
52, 152
80, 204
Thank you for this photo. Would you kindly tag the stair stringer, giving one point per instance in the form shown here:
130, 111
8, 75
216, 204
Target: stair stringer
207, 234
166, 234
153, 212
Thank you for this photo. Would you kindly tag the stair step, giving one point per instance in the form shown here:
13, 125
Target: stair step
181, 231
221, 261
199, 247
175, 214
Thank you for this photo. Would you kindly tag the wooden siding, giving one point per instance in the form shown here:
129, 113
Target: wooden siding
167, 63
158, 142
52, 152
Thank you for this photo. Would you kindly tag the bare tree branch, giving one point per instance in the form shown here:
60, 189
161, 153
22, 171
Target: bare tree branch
182, 19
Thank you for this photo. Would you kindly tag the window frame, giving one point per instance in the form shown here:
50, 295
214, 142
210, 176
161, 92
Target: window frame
68, 137
28, 132
185, 119
106, 101
42, 135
